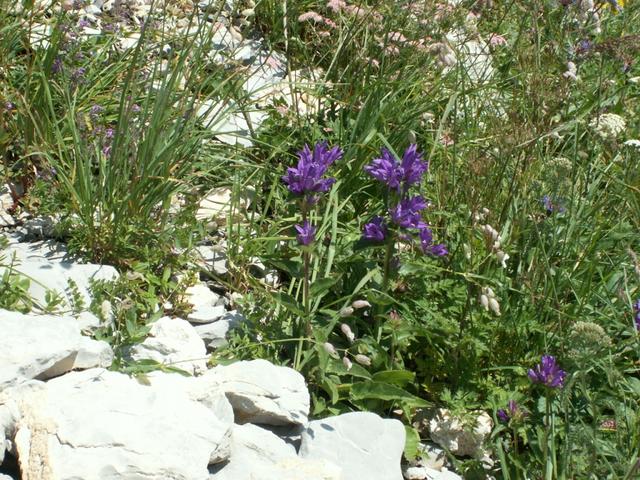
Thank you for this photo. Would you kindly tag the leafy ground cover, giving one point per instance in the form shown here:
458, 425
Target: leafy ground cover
451, 203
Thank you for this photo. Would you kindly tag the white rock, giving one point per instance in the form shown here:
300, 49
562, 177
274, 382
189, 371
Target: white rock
212, 258
207, 314
261, 392
102, 425
362, 444
217, 204
450, 433
36, 346
40, 262
93, 353
6, 202
257, 454
214, 334
200, 295
88, 322
174, 342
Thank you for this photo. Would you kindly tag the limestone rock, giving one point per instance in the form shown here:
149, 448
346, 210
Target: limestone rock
261, 392
452, 434
93, 353
257, 454
207, 314
175, 342
214, 334
362, 444
101, 425
36, 346
200, 295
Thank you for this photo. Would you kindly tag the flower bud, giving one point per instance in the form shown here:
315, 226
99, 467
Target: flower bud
346, 330
360, 304
484, 301
249, 12
494, 306
346, 311
502, 258
488, 292
331, 350
347, 363
363, 360
105, 310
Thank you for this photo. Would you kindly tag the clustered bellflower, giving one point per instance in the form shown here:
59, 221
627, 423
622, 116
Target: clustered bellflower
307, 180
513, 411
405, 212
548, 373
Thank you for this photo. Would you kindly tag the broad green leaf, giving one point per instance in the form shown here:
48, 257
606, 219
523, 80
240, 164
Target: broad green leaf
356, 370
411, 442
289, 303
322, 286
387, 392
395, 377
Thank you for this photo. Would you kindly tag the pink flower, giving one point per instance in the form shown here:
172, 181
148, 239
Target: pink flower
336, 5
311, 15
496, 40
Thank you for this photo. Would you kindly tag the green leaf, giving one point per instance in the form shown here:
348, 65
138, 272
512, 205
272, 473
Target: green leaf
387, 392
356, 370
395, 377
289, 303
332, 389
322, 286
411, 442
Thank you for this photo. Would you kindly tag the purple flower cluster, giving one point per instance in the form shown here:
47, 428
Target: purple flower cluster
399, 177
553, 204
636, 313
306, 180
548, 373
513, 411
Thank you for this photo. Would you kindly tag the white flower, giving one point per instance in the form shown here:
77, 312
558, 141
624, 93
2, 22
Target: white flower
502, 258
360, 304
488, 292
346, 311
331, 350
347, 363
494, 306
346, 329
571, 72
363, 360
608, 125
632, 143
484, 301
106, 310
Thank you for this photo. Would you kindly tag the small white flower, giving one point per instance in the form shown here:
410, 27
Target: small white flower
608, 125
633, 143
331, 350
571, 72
502, 258
346, 311
347, 363
360, 304
494, 306
484, 301
363, 360
346, 330
106, 310
488, 292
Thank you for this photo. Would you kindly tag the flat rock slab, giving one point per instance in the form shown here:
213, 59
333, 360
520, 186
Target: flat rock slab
257, 454
44, 346
102, 425
261, 392
174, 342
48, 268
362, 444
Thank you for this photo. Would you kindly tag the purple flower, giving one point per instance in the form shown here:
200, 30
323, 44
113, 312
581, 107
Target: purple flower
306, 177
56, 66
553, 204
8, 106
95, 111
413, 167
406, 214
512, 411
376, 230
387, 170
636, 313
306, 233
427, 246
78, 74
548, 373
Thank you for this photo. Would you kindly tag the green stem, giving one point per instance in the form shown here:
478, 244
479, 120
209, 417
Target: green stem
304, 326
